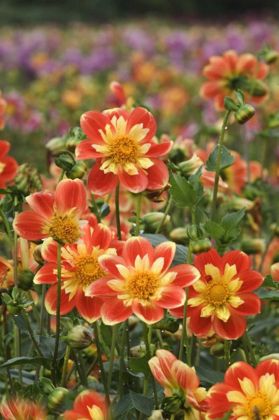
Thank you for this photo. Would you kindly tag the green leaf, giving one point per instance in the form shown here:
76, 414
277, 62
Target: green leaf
267, 294
209, 376
227, 159
143, 404
240, 97
139, 364
269, 282
105, 210
183, 192
27, 360
47, 345
195, 181
262, 325
123, 406
230, 224
214, 230
106, 334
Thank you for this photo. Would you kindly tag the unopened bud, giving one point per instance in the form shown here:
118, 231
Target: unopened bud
65, 162
79, 337
230, 104
76, 135
271, 57
155, 195
244, 114
257, 87
275, 228
46, 385
270, 357
200, 246
56, 145
253, 246
217, 350
77, 171
152, 221
177, 155
168, 323
56, 399
25, 279
179, 235
37, 255
195, 232
28, 179
172, 404
156, 415
190, 166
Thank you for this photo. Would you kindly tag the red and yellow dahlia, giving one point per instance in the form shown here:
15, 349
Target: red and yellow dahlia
88, 405
8, 165
80, 268
141, 282
19, 409
222, 297
181, 381
230, 72
56, 216
124, 149
250, 393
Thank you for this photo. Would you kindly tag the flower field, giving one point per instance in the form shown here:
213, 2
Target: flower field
139, 231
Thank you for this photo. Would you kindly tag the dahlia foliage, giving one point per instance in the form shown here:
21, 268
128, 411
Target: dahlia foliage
139, 279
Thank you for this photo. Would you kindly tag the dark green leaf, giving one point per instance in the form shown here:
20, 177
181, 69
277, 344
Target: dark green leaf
47, 345
240, 97
230, 224
227, 159
183, 192
105, 210
123, 406
269, 282
143, 404
106, 334
139, 364
267, 294
3, 191
209, 376
263, 324
26, 360
195, 182
214, 230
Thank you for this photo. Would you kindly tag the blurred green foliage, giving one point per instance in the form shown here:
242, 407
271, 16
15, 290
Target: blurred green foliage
34, 11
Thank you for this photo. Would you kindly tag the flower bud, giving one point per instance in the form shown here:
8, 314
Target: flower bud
168, 323
217, 350
46, 385
56, 145
172, 404
79, 337
76, 136
179, 235
37, 255
137, 351
152, 221
273, 121
275, 228
155, 195
244, 114
252, 246
65, 162
56, 398
156, 415
200, 246
28, 179
271, 57
257, 87
177, 155
77, 171
270, 356
195, 232
13, 309
230, 104
25, 279
190, 166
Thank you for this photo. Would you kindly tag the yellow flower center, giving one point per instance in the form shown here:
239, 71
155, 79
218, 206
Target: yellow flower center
258, 407
64, 229
88, 270
2, 167
124, 150
142, 284
217, 293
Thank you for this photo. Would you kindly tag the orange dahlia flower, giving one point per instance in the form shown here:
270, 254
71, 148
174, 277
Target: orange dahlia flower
88, 405
222, 296
19, 409
181, 381
57, 216
274, 271
80, 268
271, 257
8, 165
250, 393
124, 149
141, 282
230, 72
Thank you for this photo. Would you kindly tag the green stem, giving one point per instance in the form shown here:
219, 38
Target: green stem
36, 345
227, 353
65, 366
217, 173
158, 230
95, 208
117, 213
57, 310
61, 176
138, 215
147, 338
122, 360
172, 416
184, 337
250, 348
83, 378
99, 351
193, 214
193, 349
112, 354
6, 224
265, 252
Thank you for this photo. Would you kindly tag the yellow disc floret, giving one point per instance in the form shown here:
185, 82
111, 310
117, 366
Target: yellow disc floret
217, 293
124, 150
64, 229
87, 270
142, 284
258, 406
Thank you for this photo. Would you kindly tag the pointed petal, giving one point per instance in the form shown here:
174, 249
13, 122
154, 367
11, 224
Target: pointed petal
114, 311
137, 246
172, 297
88, 398
134, 183
51, 301
158, 175
109, 263
89, 308
165, 250
185, 376
85, 150
237, 372
42, 203
100, 183
142, 116
158, 150
29, 225
232, 329
102, 236
91, 122
149, 313
49, 250
199, 325
211, 257
100, 288
186, 275
45, 274
252, 279
71, 194
251, 305
158, 372
237, 258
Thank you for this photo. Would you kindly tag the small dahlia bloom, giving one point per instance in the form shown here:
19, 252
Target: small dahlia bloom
56, 216
274, 271
88, 405
141, 283
222, 297
80, 268
123, 146
181, 381
251, 394
8, 165
230, 72
19, 409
